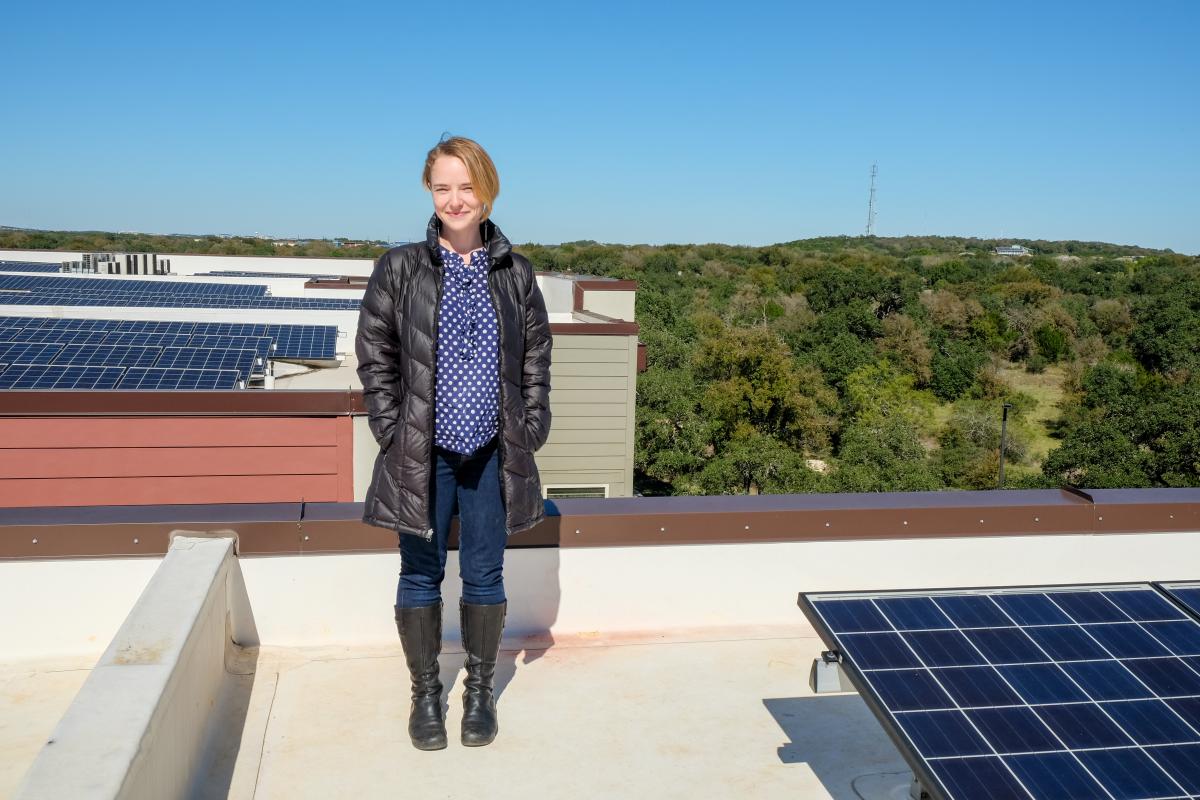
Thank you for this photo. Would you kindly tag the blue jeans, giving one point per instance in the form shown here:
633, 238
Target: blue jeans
470, 485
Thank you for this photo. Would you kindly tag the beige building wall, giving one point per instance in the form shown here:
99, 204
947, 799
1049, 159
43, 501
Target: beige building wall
592, 396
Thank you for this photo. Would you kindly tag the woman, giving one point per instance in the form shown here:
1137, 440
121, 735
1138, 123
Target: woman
454, 355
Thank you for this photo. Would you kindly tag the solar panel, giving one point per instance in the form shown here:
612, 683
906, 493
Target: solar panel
144, 338
163, 378
58, 323
154, 326
304, 341
24, 353
1187, 594
166, 293
28, 266
52, 335
58, 376
201, 358
261, 345
1055, 692
108, 355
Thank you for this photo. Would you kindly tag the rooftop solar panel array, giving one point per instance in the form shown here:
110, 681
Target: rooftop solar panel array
313, 342
1055, 693
181, 354
99, 291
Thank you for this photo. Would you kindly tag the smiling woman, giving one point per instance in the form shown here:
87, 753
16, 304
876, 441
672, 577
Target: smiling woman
454, 354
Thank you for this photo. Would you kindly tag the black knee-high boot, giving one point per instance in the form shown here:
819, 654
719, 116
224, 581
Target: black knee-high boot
420, 632
481, 627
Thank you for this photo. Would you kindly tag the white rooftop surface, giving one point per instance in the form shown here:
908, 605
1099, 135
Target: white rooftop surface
715, 718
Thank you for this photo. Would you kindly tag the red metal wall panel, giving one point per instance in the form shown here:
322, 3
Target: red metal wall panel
163, 460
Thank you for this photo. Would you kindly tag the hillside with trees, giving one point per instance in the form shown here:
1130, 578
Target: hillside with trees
856, 364
874, 364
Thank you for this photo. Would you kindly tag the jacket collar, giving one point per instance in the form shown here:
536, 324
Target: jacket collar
495, 242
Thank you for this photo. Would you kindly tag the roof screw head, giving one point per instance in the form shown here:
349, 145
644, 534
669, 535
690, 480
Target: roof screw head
35, 541
1102, 519
662, 530
980, 522
747, 527
1037, 519
905, 522
577, 530
1172, 516
827, 524
306, 537
135, 541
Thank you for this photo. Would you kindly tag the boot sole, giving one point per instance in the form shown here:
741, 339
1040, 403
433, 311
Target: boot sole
474, 742
436, 744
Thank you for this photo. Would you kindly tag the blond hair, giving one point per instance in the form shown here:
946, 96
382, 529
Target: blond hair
484, 179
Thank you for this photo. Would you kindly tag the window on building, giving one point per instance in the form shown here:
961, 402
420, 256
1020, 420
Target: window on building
571, 491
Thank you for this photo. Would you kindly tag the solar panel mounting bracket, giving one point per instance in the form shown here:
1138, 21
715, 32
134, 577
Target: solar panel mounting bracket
827, 676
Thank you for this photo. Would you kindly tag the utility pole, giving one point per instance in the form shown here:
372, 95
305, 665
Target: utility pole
871, 202
1003, 437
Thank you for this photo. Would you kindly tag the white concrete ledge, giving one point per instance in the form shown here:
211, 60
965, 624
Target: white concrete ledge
140, 725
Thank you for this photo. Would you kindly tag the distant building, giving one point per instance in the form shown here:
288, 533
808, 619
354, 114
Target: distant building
120, 264
1012, 250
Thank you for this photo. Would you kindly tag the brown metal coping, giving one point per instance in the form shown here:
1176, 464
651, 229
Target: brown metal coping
188, 403
297, 529
604, 326
609, 285
345, 282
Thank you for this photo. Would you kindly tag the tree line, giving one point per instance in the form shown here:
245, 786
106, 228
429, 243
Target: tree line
868, 364
878, 364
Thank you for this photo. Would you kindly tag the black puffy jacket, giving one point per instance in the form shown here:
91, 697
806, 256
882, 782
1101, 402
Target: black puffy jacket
397, 363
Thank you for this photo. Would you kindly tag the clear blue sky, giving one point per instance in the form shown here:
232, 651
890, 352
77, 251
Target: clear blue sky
746, 123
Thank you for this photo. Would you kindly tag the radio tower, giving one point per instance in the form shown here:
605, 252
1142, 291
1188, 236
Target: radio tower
871, 203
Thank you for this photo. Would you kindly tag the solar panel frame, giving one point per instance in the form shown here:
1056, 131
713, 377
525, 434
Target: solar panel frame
879, 704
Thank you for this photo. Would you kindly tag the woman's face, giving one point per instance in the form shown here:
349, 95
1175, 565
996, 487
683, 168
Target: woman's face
454, 199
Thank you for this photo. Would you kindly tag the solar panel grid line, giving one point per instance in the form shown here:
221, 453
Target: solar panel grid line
171, 378
204, 358
1091, 701
108, 355
23, 352
1121, 755
970, 722
1103, 710
57, 376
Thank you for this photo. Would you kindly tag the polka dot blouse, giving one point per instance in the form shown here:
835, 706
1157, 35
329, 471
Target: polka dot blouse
467, 404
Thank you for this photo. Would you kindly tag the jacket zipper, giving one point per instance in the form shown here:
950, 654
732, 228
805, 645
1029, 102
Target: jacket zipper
500, 384
437, 310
